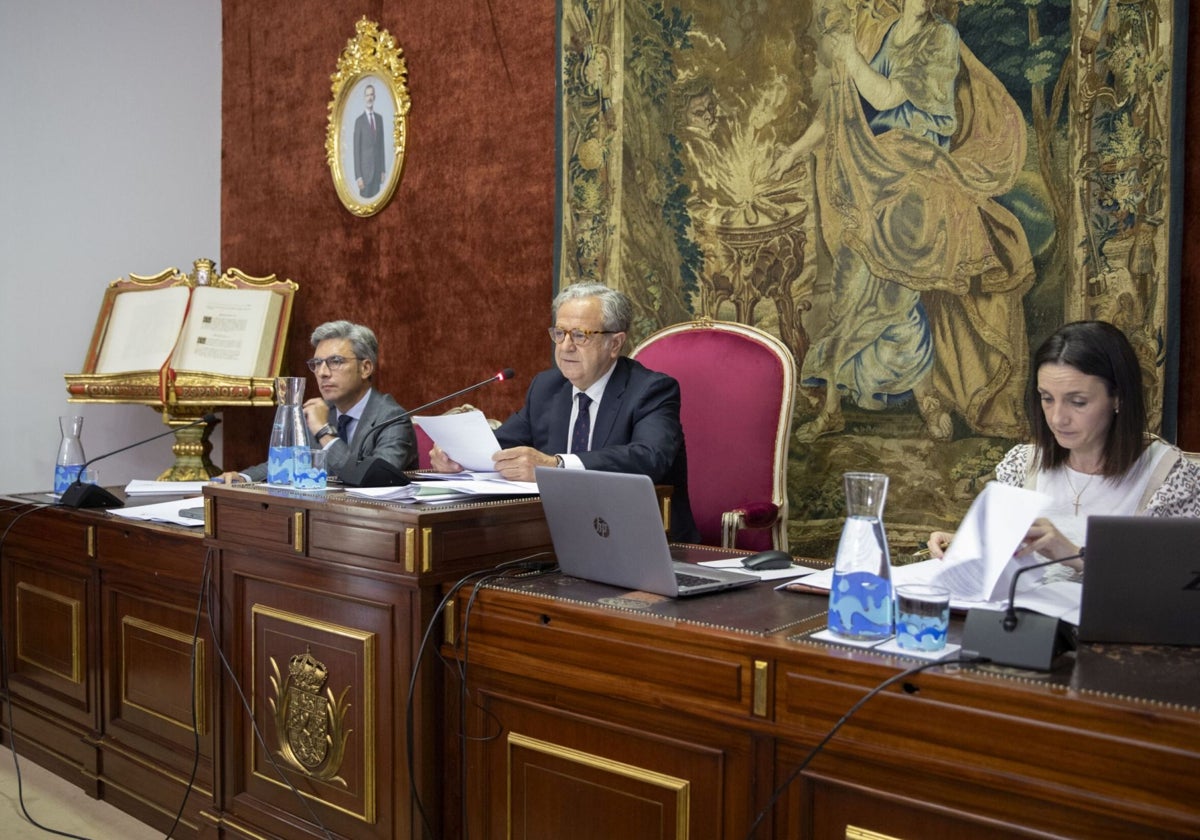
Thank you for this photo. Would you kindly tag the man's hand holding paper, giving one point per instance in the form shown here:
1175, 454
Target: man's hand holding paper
466, 441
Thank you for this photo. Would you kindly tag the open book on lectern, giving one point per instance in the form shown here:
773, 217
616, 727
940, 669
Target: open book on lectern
203, 329
177, 340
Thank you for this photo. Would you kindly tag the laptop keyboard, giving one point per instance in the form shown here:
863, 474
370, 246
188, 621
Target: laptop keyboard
683, 579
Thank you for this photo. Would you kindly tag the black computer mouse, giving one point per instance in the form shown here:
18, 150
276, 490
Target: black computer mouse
766, 560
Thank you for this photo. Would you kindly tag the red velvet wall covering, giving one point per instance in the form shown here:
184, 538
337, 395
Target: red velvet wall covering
455, 273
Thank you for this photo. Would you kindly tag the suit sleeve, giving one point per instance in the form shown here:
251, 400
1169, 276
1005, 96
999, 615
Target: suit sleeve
530, 425
652, 429
257, 473
397, 444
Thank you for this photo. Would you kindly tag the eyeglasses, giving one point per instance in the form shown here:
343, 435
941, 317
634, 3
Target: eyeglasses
334, 363
580, 337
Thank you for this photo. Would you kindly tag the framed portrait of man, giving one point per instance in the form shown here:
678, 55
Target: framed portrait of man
368, 120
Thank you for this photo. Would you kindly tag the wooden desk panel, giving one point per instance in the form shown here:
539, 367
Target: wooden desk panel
325, 600
99, 614
953, 752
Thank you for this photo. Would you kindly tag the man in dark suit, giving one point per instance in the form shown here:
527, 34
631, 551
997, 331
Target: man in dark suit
343, 418
369, 161
597, 410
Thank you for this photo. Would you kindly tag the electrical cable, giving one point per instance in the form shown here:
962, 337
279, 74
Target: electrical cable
779, 791
204, 573
12, 729
463, 657
228, 668
522, 564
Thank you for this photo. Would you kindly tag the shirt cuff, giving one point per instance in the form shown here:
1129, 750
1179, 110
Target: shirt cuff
572, 462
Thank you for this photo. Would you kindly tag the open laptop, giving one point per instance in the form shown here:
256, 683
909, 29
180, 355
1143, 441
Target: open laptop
1141, 580
607, 527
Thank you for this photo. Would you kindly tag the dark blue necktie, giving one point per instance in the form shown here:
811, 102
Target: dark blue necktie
582, 432
344, 421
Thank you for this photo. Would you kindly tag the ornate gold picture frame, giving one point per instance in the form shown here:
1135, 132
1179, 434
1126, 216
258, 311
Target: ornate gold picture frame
367, 134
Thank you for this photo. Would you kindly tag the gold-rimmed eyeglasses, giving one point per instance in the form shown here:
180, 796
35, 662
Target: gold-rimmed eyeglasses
579, 337
334, 363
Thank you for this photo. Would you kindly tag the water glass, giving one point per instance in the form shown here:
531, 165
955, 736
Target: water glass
922, 616
309, 471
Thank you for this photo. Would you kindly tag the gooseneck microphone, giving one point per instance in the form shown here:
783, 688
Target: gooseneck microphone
1018, 637
1010, 615
80, 495
376, 472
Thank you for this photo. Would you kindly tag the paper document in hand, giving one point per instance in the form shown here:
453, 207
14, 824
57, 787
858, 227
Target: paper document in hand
466, 438
977, 565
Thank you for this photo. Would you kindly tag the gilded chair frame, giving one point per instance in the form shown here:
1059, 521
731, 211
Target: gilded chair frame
734, 521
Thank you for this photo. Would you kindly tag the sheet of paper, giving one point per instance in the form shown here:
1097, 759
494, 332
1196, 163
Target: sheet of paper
466, 438
164, 511
406, 493
976, 565
1059, 598
735, 563
149, 488
458, 476
490, 486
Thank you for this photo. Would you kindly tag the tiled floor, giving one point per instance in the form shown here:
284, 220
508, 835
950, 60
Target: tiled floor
59, 806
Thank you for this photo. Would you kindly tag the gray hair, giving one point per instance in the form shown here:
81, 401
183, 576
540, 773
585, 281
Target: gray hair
616, 312
362, 340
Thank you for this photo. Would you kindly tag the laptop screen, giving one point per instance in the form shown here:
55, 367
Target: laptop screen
1141, 580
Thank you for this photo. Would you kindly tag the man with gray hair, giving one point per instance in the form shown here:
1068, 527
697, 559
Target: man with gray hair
343, 419
597, 410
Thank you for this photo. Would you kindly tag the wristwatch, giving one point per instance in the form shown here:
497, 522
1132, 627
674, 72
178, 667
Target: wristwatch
325, 430
559, 462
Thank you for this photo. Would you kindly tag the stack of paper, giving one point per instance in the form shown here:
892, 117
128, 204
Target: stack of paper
143, 487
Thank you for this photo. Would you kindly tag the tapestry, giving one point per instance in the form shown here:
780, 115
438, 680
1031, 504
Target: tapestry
732, 159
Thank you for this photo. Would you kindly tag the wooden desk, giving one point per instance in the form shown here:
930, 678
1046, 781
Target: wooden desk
324, 604
320, 601
99, 615
658, 719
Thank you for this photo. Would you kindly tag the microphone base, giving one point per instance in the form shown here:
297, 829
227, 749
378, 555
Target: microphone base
1034, 643
373, 472
81, 495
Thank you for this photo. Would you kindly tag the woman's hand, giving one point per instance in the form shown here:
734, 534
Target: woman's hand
1048, 541
939, 541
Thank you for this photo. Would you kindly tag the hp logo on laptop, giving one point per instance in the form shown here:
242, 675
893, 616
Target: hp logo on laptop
600, 526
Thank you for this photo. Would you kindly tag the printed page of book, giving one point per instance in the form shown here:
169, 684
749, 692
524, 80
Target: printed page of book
229, 331
142, 329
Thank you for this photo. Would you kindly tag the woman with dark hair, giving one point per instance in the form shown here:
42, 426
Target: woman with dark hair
1090, 453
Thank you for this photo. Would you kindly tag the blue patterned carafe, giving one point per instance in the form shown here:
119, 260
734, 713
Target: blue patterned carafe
289, 432
860, 598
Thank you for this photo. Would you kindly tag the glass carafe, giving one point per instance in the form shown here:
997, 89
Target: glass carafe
70, 453
860, 598
289, 432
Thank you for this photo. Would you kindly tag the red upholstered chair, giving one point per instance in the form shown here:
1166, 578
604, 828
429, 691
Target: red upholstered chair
737, 386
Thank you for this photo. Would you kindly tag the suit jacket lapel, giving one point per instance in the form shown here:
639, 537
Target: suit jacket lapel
610, 403
559, 417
